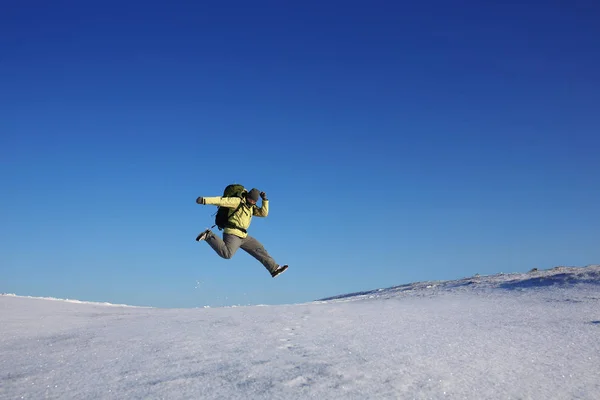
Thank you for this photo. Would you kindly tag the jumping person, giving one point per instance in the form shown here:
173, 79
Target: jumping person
236, 216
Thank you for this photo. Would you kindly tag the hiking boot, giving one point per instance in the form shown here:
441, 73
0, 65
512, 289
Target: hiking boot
279, 270
203, 235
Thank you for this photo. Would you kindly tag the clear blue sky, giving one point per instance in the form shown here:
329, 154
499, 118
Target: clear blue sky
397, 142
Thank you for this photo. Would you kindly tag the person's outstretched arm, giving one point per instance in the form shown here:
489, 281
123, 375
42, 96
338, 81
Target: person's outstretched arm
229, 202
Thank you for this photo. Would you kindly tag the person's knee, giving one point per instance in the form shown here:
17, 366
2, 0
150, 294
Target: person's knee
228, 253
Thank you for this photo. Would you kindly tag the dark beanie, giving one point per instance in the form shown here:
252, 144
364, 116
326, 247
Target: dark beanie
254, 194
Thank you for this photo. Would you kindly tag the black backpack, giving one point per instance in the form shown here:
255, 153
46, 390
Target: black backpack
223, 213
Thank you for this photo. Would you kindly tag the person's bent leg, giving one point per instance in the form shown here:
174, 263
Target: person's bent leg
225, 247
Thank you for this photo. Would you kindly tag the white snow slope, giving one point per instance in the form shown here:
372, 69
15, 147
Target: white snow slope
519, 336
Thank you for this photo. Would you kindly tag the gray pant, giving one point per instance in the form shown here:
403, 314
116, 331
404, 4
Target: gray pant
227, 247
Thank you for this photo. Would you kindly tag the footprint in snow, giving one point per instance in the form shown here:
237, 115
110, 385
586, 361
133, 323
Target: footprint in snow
298, 381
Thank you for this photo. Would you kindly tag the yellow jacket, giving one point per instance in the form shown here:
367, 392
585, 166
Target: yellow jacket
243, 216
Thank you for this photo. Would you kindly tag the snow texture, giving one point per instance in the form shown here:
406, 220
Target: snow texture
517, 336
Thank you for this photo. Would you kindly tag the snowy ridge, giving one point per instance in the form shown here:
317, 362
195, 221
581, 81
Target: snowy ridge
71, 301
558, 276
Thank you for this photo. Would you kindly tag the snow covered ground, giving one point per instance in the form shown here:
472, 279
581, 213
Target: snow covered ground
519, 336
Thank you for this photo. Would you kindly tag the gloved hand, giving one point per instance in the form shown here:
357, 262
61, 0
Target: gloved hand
263, 196
200, 200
